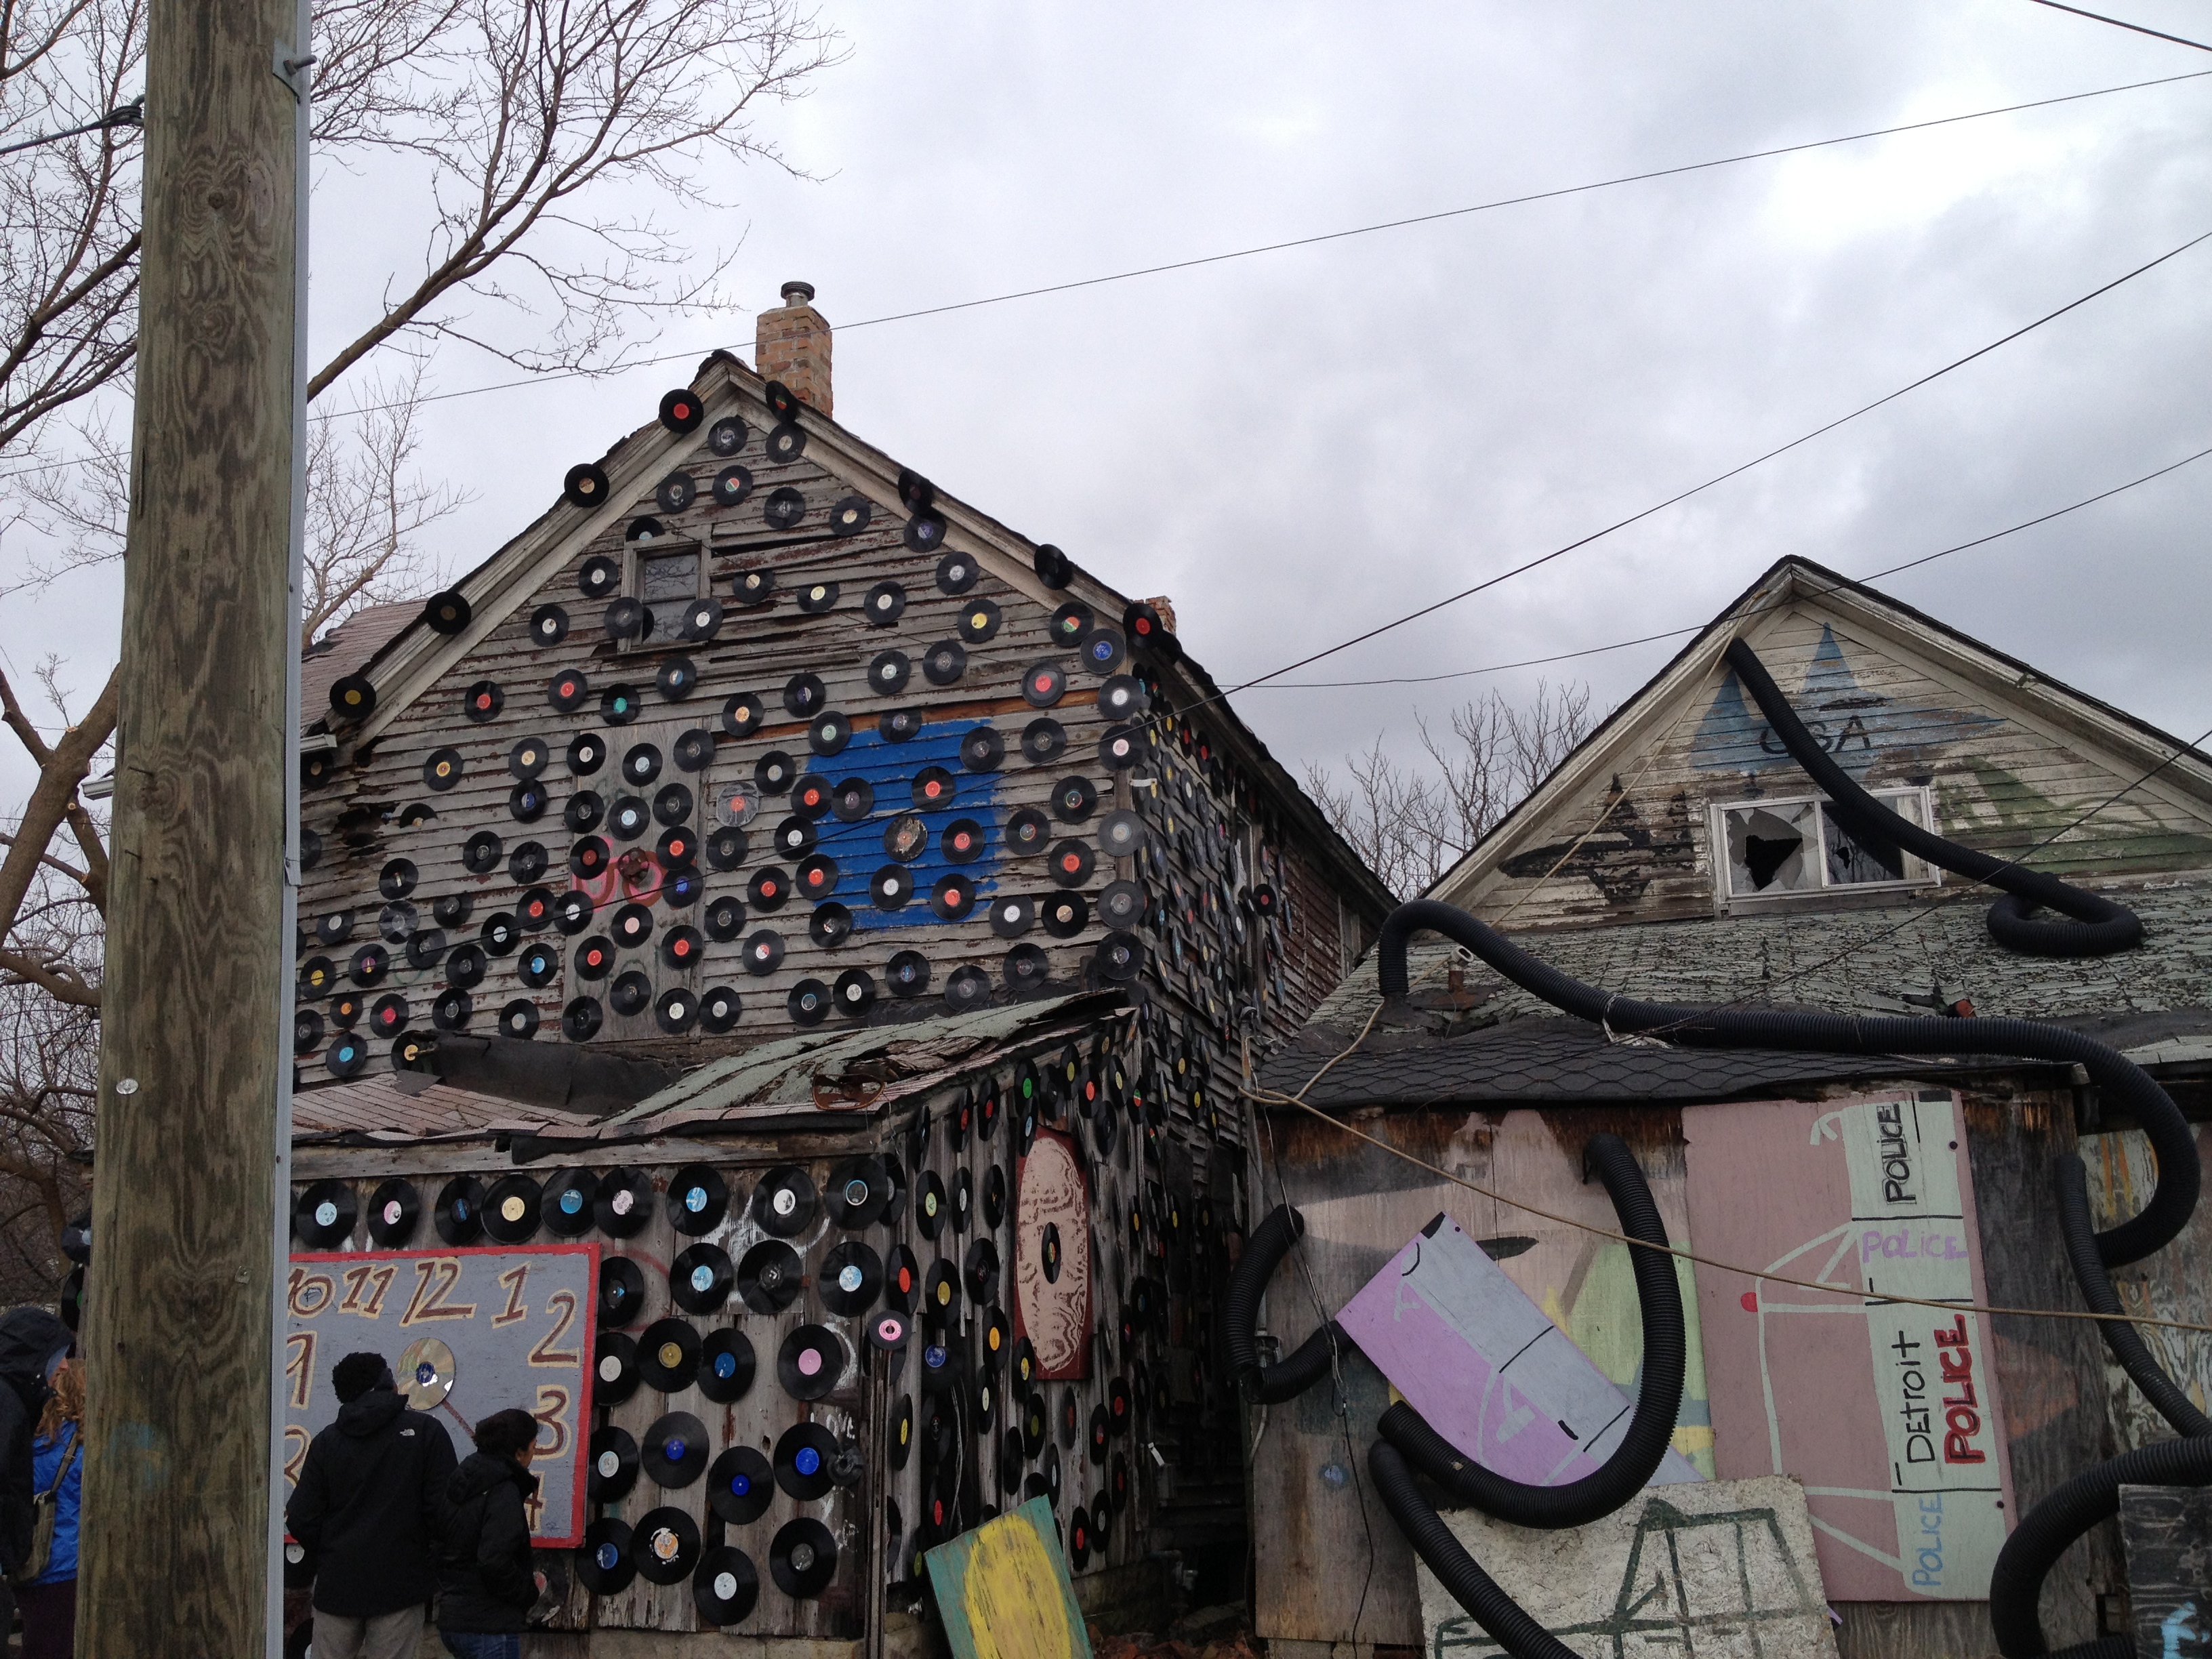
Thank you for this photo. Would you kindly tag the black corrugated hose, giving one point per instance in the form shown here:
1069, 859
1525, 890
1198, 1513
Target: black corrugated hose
2099, 926
1270, 1385
2126, 1342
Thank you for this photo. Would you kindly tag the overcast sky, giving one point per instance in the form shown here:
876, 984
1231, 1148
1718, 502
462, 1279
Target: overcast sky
1298, 446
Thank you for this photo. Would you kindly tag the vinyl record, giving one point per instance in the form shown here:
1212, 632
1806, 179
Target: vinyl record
885, 603
1065, 914
668, 1355
1071, 863
980, 1272
719, 1008
585, 484
581, 1018
941, 1294
969, 988
727, 437
978, 621
907, 972
803, 1558
598, 576
953, 897
901, 1435
700, 1277
393, 1210
518, 1019
614, 1466
324, 1214
808, 1001
511, 1209
858, 1193
566, 691
817, 598
620, 704
888, 673
830, 925
887, 1333
1120, 747
1121, 905
698, 1198
795, 837
785, 1202
1044, 739
945, 662
1071, 624
1103, 651
986, 1117
1025, 1363
676, 492
725, 1586
726, 1365
680, 412
1118, 1406
741, 1486
675, 1450
614, 1369
458, 1213
1053, 568
1013, 915
811, 1362
901, 1280
1121, 698
1043, 685
626, 618
803, 1455
924, 533
665, 1546
854, 992
1121, 957
770, 1276
850, 516
677, 678
984, 1406
621, 1291
899, 725
1026, 970
764, 950
930, 1208
565, 1204
1036, 1421
602, 1564
786, 506
352, 697
997, 1337
1027, 833
623, 1203
1079, 1539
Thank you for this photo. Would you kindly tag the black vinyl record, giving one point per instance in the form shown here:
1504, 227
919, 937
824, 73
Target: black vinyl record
701, 1278
726, 1365
898, 725
860, 1191
803, 1560
1013, 915
1071, 863
602, 1565
621, 1291
668, 1354
941, 1294
324, 1214
458, 1214
726, 1587
1065, 914
1119, 956
981, 1271
566, 1203
741, 1486
728, 435
885, 602
902, 1432
851, 1278
770, 1276
1121, 905
1024, 1362
614, 1369
887, 1333
967, 990
785, 1202
614, 1466
623, 1203
901, 1280
945, 662
698, 1198
907, 974
511, 1209
1027, 831
1027, 968
675, 1450
393, 1210
665, 1546
978, 621
802, 1456
998, 1336
810, 1363
994, 1197
929, 1204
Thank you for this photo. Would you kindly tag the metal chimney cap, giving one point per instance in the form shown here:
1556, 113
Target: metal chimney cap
798, 293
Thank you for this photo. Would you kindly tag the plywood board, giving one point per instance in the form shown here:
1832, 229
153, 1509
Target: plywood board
2168, 1533
1887, 1410
1003, 1590
1721, 1568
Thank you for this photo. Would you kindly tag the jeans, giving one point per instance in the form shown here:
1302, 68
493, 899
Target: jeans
477, 1645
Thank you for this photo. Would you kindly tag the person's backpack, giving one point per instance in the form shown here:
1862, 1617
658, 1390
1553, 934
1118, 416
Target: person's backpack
44, 1507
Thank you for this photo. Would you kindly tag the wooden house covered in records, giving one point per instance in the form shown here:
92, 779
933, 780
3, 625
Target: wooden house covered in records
849, 921
1682, 855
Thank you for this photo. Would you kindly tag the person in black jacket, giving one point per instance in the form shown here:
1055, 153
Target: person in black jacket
32, 1342
487, 1586
368, 1510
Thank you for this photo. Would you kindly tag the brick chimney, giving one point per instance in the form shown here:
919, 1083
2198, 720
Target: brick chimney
792, 344
1159, 603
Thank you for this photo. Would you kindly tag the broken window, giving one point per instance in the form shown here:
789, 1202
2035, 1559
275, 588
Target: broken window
668, 578
1777, 847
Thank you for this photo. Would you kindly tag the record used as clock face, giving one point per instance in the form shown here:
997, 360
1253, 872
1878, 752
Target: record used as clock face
458, 1214
698, 1199
810, 1363
566, 1203
624, 1202
614, 1369
675, 1450
602, 1564
701, 1278
664, 1547
668, 1355
726, 1365
394, 1208
725, 1586
850, 1280
614, 1466
785, 1202
740, 1485
621, 1291
803, 1459
770, 1276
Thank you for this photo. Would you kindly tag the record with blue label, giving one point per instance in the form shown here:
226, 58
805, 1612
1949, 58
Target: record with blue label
459, 1211
860, 1190
698, 1198
850, 1280
566, 1203
741, 1486
621, 1291
602, 1564
803, 1457
701, 1278
675, 1450
726, 1365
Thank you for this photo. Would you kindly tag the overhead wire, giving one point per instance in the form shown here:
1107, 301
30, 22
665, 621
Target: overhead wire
2122, 23
132, 114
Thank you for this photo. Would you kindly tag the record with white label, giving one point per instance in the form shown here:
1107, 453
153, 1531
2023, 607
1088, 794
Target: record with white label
324, 1215
614, 1466
614, 1369
623, 1203
785, 1202
725, 1586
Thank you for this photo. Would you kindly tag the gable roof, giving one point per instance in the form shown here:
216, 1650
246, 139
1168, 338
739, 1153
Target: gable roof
409, 660
2132, 746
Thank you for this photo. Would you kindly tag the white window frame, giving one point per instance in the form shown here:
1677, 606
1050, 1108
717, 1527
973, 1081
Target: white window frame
1917, 872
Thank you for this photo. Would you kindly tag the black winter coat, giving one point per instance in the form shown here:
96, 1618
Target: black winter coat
371, 1505
30, 1340
487, 1581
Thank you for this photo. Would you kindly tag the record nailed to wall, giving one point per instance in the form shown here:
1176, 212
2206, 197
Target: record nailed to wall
907, 974
804, 1453
785, 1203
614, 1466
854, 992
512, 1209
901, 1280
770, 1276
624, 1202
969, 988
732, 484
784, 509
899, 725
1071, 863
665, 1546
924, 533
1028, 833
353, 697
585, 484
727, 437
953, 897
614, 1369
888, 673
764, 947
675, 1450
1065, 914
851, 1279
701, 1278
676, 492
850, 516
811, 1362
978, 621
860, 1191
681, 411
698, 1198
602, 1564
1026, 970
1121, 957
945, 662
719, 1008
1121, 905
1043, 685
565, 1204
621, 1291
1122, 698
817, 598
753, 589
394, 1209
726, 1365
884, 605
726, 1587
740, 1485
458, 1213
324, 1214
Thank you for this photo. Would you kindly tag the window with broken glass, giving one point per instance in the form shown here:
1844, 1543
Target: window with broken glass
666, 583
1777, 847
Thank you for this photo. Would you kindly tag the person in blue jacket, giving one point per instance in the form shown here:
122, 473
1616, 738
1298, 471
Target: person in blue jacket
49, 1601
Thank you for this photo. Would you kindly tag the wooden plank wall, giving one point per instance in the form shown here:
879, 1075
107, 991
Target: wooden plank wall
2000, 786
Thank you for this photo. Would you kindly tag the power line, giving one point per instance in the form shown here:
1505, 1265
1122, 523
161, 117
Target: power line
132, 114
2122, 23
1721, 478
1695, 627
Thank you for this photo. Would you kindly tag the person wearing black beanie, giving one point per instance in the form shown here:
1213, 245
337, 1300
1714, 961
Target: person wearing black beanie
487, 1584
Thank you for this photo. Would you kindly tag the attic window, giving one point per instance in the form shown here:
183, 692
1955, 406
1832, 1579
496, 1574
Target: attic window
1778, 848
670, 578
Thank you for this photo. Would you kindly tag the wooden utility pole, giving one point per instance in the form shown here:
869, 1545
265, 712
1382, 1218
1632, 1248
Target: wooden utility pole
194, 1060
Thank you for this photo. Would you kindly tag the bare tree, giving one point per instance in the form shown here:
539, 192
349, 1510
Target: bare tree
1412, 825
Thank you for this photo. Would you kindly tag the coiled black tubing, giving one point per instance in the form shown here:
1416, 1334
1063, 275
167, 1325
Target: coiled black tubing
2098, 926
1269, 1385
